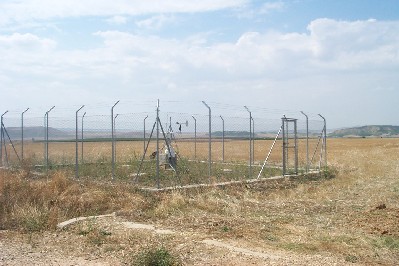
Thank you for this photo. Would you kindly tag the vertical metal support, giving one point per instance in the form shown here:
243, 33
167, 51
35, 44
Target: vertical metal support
253, 141
113, 140
2, 138
287, 143
116, 139
22, 134
222, 138
44, 138
195, 137
144, 134
250, 141
47, 136
307, 142
321, 151
325, 140
158, 181
284, 144
76, 143
296, 146
209, 142
82, 138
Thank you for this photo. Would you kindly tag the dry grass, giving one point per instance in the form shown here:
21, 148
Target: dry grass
353, 214
38, 204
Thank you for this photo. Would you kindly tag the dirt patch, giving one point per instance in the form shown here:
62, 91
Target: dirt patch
379, 220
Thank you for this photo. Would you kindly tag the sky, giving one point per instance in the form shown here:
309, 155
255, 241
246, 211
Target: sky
339, 58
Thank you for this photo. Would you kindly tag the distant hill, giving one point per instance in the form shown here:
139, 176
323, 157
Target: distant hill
231, 134
38, 133
367, 131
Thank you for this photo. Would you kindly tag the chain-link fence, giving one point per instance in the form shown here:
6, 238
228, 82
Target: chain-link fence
160, 148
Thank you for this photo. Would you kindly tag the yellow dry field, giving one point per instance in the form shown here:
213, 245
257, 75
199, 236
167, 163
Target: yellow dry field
234, 150
351, 216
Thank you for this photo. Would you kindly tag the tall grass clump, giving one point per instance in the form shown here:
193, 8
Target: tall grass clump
30, 205
39, 204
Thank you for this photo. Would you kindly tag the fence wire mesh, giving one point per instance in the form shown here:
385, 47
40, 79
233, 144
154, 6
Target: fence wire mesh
240, 143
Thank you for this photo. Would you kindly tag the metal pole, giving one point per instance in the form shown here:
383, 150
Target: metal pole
209, 142
296, 146
287, 144
253, 140
47, 136
222, 138
325, 140
116, 139
76, 143
144, 134
284, 144
195, 137
321, 152
113, 141
22, 134
82, 140
250, 141
307, 142
2, 138
158, 181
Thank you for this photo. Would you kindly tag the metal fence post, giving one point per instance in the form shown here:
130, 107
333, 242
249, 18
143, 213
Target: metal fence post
307, 142
222, 138
144, 134
209, 141
2, 138
46, 115
113, 140
295, 145
76, 143
284, 144
116, 138
158, 181
325, 141
22, 134
253, 141
44, 138
82, 139
195, 137
250, 141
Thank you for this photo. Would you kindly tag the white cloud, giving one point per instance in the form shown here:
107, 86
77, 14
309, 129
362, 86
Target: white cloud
156, 22
334, 59
117, 20
12, 11
271, 6
26, 42
251, 11
329, 46
358, 44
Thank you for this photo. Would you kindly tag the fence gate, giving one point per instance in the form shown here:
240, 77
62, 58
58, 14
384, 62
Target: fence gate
290, 150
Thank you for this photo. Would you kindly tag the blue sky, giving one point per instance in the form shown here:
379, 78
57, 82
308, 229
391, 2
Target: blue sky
338, 58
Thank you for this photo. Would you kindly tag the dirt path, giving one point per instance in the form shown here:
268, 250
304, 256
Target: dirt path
70, 247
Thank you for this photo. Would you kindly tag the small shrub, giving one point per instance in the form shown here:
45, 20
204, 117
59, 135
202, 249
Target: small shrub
329, 172
351, 258
156, 257
225, 229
